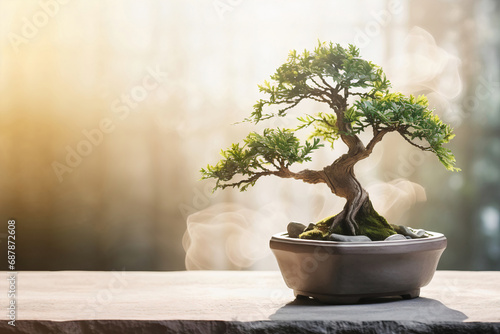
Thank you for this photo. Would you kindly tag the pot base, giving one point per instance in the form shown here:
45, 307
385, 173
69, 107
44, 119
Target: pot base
354, 298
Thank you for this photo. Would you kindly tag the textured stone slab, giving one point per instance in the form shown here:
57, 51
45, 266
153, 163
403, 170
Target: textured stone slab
237, 302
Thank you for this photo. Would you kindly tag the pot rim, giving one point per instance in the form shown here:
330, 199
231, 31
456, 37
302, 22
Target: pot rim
283, 238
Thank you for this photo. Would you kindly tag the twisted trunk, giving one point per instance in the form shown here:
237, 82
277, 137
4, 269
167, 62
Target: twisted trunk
343, 183
358, 216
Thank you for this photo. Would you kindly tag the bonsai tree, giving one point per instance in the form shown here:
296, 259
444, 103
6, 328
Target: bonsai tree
357, 94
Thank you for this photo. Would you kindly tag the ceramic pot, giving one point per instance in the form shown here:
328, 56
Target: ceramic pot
347, 272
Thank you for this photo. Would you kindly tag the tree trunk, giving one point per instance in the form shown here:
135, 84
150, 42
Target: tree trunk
358, 216
343, 183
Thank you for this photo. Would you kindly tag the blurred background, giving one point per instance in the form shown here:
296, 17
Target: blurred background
108, 110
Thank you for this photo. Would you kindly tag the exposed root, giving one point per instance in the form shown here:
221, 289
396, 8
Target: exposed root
366, 222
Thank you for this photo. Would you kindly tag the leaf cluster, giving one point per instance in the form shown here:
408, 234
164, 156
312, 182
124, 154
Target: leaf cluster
261, 154
324, 126
324, 75
410, 116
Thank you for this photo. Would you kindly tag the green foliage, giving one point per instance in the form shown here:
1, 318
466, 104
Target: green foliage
388, 110
410, 116
319, 75
324, 126
329, 74
278, 148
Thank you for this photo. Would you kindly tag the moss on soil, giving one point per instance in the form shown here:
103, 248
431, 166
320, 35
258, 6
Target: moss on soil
370, 223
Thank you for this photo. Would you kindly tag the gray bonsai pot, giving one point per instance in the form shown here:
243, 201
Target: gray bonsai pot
346, 272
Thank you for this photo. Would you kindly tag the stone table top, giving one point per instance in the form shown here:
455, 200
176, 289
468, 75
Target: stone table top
235, 302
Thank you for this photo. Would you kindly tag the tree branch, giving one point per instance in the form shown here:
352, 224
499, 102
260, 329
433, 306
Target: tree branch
317, 84
282, 111
326, 83
319, 94
363, 94
379, 134
250, 180
312, 97
423, 148
306, 175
